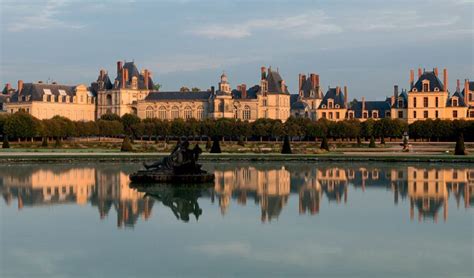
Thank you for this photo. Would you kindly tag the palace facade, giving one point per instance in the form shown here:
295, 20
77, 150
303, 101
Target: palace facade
133, 91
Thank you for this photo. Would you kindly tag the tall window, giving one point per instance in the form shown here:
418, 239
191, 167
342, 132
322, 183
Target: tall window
365, 115
162, 113
414, 114
426, 87
200, 113
414, 102
174, 112
455, 113
330, 104
425, 102
188, 112
400, 114
109, 100
400, 103
436, 114
375, 114
149, 113
425, 114
436, 102
330, 115
337, 115
455, 102
324, 115
246, 113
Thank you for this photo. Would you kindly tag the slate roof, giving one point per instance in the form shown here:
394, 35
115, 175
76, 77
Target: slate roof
471, 87
274, 83
299, 105
133, 72
251, 93
35, 91
294, 98
306, 87
461, 102
331, 94
403, 95
434, 82
380, 106
157, 96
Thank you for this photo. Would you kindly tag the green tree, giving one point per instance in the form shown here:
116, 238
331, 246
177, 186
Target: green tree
126, 145
286, 148
6, 144
130, 125
195, 89
372, 142
460, 149
21, 125
184, 89
157, 87
216, 147
110, 117
324, 144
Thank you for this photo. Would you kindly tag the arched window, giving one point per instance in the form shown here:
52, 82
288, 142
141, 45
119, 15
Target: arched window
188, 112
200, 113
246, 113
150, 113
162, 113
174, 112
108, 100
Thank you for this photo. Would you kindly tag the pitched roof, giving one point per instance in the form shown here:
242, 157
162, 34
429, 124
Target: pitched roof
307, 87
294, 98
434, 82
133, 72
251, 93
403, 95
274, 83
380, 106
299, 105
35, 91
332, 94
157, 96
460, 97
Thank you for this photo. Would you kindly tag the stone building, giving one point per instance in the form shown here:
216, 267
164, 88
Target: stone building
45, 101
270, 99
309, 97
333, 105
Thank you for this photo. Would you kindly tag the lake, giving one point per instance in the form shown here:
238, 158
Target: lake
257, 219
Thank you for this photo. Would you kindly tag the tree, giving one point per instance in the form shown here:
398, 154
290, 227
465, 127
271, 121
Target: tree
21, 125
6, 144
130, 125
216, 147
126, 145
286, 149
324, 144
460, 149
372, 142
157, 87
44, 142
184, 89
110, 117
195, 89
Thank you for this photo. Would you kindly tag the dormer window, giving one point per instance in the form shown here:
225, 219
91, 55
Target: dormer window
323, 106
338, 106
351, 114
375, 114
426, 86
454, 102
400, 103
365, 115
415, 90
330, 103
436, 89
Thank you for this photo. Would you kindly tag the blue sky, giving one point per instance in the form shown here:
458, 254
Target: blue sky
367, 45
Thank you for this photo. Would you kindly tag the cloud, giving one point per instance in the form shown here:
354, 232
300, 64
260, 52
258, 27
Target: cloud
309, 24
41, 17
388, 20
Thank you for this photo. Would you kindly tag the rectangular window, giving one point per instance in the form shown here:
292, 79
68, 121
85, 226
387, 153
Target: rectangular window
414, 114
425, 187
436, 114
414, 102
324, 115
436, 102
455, 113
337, 115
365, 115
426, 87
425, 114
330, 115
425, 102
400, 114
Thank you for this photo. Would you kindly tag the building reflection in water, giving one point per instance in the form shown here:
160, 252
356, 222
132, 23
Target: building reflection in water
426, 190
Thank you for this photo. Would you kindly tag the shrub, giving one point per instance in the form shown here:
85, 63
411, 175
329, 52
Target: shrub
324, 144
460, 149
372, 142
6, 144
286, 149
216, 147
126, 145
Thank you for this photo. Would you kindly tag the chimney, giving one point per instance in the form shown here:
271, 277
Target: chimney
146, 77
419, 72
239, 88
244, 91
317, 80
119, 67
412, 78
363, 104
435, 70
313, 80
283, 87
213, 90
338, 90
345, 96
263, 73
395, 91
123, 81
458, 85
300, 81
466, 91
445, 81
20, 86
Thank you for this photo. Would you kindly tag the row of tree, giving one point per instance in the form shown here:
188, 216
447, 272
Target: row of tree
23, 126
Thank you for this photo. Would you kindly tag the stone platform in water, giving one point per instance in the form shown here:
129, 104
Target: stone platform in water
145, 176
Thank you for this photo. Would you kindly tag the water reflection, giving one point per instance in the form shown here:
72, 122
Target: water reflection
423, 190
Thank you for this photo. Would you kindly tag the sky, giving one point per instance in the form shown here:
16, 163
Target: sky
368, 45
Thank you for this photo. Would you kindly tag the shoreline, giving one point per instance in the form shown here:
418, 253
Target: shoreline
25, 157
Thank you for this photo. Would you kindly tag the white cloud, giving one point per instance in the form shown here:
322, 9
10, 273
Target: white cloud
41, 17
310, 24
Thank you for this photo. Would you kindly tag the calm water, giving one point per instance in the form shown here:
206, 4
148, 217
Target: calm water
258, 219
